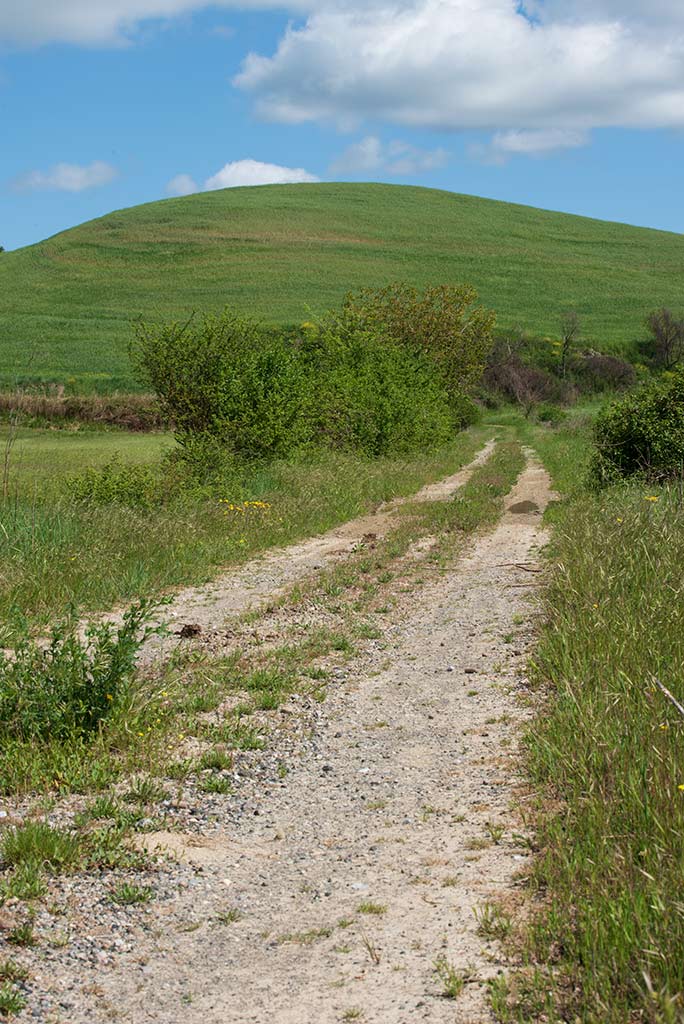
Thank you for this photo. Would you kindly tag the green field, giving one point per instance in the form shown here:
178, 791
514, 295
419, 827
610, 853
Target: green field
277, 251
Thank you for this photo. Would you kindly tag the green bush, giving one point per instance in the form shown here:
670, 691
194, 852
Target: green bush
221, 377
66, 687
118, 483
237, 393
442, 321
642, 434
547, 412
372, 397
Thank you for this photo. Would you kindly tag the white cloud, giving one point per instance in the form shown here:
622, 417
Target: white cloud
182, 185
67, 178
478, 64
400, 158
565, 66
253, 172
102, 22
538, 142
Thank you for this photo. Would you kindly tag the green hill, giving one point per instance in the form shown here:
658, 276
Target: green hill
66, 303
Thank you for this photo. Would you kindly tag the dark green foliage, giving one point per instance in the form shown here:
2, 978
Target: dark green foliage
547, 412
65, 688
219, 377
642, 433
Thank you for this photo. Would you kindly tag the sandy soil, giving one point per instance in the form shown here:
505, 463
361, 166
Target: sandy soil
403, 803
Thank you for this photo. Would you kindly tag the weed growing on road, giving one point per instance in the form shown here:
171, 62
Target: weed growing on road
128, 894
11, 1000
452, 980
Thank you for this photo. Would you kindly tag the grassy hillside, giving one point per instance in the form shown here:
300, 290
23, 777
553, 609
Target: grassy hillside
66, 303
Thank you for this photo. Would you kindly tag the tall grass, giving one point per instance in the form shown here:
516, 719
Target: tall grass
609, 753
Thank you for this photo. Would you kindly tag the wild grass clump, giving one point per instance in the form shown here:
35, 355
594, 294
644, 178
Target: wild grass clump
38, 843
610, 750
66, 687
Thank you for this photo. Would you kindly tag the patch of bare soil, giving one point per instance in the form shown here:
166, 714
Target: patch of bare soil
334, 892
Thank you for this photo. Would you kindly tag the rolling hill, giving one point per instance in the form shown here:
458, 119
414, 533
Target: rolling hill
276, 251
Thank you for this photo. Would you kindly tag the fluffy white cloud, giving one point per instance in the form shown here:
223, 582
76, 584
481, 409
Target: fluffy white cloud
67, 177
483, 64
396, 157
182, 185
539, 142
253, 172
106, 22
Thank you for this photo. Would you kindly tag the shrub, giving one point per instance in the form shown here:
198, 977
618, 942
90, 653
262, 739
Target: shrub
236, 393
666, 344
508, 376
596, 371
549, 413
442, 322
118, 483
66, 688
373, 397
220, 377
642, 433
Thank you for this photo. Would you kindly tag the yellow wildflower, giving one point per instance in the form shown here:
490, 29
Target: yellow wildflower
651, 497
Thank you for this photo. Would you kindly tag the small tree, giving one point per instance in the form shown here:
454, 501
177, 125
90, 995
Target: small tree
666, 343
570, 325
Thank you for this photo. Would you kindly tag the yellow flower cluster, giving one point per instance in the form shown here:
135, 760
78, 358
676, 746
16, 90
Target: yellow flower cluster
651, 497
246, 506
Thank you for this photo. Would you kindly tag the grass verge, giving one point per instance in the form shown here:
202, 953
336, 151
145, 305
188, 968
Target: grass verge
604, 943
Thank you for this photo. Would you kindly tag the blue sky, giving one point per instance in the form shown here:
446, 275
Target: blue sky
567, 105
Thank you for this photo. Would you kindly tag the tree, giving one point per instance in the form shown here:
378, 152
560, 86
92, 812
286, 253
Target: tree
666, 343
570, 325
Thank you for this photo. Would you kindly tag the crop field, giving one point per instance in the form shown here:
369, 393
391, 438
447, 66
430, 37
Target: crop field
66, 304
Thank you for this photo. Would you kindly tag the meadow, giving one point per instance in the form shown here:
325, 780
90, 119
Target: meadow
66, 304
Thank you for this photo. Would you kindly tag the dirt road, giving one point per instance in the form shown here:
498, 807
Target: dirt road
383, 852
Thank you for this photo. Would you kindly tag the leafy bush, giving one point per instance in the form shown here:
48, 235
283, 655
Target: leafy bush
220, 377
549, 413
442, 322
118, 483
67, 687
642, 433
237, 393
372, 397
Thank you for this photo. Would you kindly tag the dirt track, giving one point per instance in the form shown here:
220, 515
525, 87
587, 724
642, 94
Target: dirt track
403, 801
